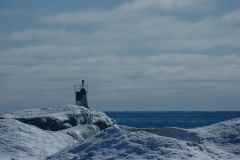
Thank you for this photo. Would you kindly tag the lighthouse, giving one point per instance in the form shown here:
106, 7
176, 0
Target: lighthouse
81, 95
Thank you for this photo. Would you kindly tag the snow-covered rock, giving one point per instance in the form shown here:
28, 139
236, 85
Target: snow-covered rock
82, 138
102, 120
62, 117
23, 141
72, 123
53, 119
218, 141
81, 132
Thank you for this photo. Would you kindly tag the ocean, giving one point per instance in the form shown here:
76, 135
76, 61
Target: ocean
181, 119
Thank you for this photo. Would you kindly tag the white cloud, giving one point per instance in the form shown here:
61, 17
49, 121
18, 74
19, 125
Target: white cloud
232, 17
163, 73
80, 17
129, 27
125, 12
160, 33
169, 5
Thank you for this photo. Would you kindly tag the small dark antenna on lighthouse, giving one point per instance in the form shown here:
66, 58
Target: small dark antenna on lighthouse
82, 83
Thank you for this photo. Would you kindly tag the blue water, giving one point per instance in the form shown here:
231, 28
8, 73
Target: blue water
171, 119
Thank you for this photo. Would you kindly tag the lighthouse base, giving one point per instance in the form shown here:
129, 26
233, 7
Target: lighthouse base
83, 102
78, 103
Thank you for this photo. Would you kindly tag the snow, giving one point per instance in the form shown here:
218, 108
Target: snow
81, 132
23, 141
25, 134
173, 132
218, 141
60, 113
224, 135
103, 139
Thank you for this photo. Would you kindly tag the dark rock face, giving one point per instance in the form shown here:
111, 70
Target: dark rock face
102, 124
54, 124
45, 123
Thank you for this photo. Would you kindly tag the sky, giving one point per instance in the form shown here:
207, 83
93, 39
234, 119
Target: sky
134, 55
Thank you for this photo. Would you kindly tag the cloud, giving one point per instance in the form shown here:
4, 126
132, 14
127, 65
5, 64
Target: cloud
232, 17
161, 74
170, 5
130, 28
48, 72
33, 34
148, 49
126, 11
17, 12
134, 25
165, 33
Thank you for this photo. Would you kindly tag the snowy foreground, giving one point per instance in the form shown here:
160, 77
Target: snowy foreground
72, 132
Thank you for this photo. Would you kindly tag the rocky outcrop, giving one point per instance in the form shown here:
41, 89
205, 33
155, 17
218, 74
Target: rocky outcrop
63, 117
36, 133
53, 119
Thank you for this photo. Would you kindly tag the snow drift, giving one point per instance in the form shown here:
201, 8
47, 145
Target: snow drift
22, 141
218, 141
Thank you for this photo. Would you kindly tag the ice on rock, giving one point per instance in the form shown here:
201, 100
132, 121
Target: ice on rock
81, 132
53, 119
29, 133
62, 117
